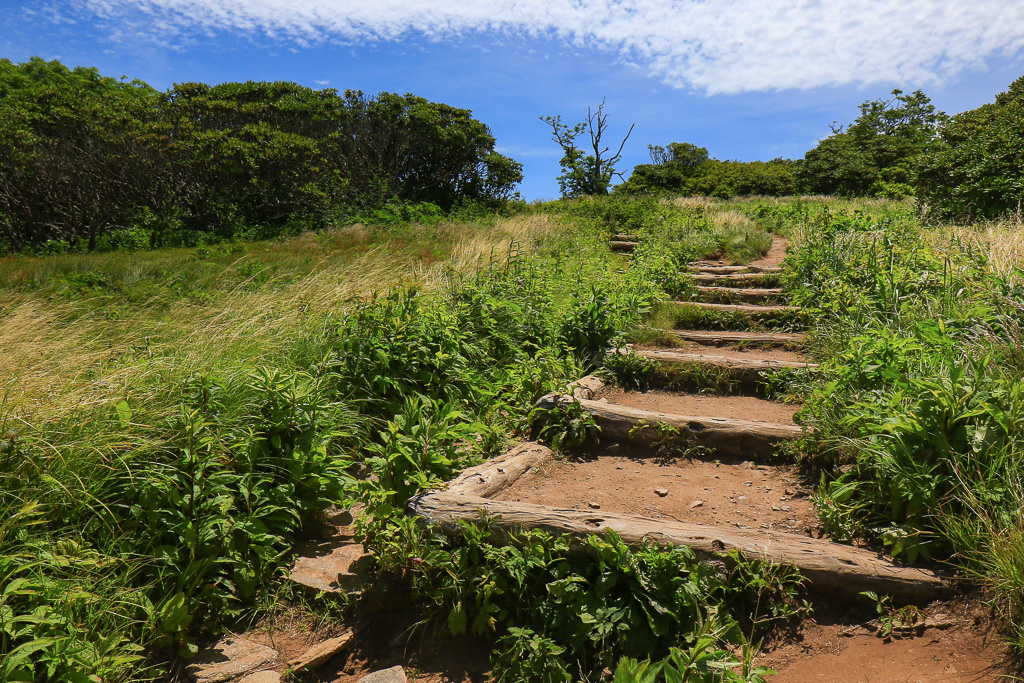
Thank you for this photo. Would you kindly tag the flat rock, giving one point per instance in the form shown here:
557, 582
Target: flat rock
262, 677
335, 566
230, 657
320, 653
661, 492
395, 674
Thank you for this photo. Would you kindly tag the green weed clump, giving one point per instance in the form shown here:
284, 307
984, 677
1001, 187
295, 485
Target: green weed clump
562, 613
918, 416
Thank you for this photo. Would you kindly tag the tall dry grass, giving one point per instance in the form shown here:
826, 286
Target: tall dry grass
61, 359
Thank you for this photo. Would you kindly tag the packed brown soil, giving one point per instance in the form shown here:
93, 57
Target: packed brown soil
620, 479
700, 405
954, 643
776, 254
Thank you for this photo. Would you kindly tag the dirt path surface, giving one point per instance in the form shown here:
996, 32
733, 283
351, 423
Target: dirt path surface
703, 405
961, 648
775, 256
621, 479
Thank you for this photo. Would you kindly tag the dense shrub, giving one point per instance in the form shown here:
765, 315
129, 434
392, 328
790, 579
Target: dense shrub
86, 160
978, 170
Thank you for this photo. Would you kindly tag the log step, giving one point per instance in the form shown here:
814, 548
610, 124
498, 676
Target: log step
731, 270
735, 294
746, 370
620, 245
829, 568
734, 280
625, 238
756, 312
709, 338
740, 438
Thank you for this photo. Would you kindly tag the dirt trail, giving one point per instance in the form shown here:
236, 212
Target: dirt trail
838, 643
627, 480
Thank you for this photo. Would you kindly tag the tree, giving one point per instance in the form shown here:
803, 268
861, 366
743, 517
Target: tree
76, 158
873, 156
686, 169
977, 170
583, 173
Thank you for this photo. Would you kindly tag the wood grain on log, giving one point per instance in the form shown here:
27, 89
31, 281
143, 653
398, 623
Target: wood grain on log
735, 280
710, 338
742, 438
761, 312
585, 387
746, 370
728, 270
744, 294
501, 472
829, 567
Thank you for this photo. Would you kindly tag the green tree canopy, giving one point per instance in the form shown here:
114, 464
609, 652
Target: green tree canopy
84, 157
874, 155
978, 169
683, 168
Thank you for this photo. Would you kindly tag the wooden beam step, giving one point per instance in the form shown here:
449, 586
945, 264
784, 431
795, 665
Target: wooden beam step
620, 245
625, 238
736, 294
829, 568
728, 437
747, 370
731, 270
757, 312
710, 338
734, 280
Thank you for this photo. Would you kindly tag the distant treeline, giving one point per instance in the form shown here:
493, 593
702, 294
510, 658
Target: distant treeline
969, 166
88, 161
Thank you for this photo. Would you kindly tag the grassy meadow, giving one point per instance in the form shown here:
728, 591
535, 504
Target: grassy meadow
173, 422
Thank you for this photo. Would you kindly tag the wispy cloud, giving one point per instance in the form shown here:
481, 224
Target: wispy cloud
717, 46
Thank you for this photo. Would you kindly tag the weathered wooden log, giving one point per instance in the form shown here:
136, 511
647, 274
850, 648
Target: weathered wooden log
735, 280
499, 473
618, 245
756, 312
625, 238
585, 387
740, 438
728, 270
829, 568
710, 338
737, 294
745, 370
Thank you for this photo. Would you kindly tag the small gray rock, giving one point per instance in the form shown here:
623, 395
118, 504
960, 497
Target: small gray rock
395, 674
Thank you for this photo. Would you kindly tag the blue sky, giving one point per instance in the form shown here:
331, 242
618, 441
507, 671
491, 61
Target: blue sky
748, 79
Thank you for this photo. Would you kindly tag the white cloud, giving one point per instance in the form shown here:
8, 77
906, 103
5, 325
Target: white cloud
719, 46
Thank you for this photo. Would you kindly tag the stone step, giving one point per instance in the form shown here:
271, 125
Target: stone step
737, 295
712, 338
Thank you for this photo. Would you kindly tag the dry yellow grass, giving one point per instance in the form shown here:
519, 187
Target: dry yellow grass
1002, 242
58, 361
